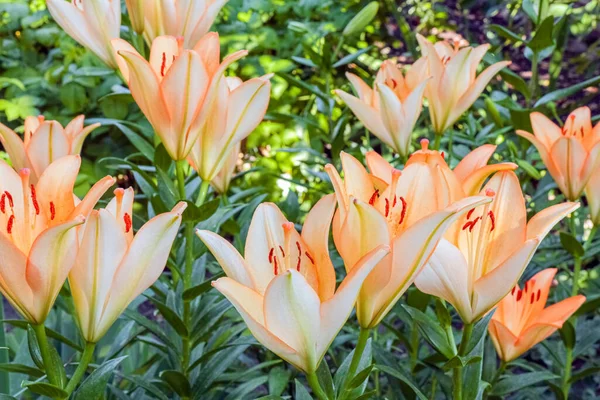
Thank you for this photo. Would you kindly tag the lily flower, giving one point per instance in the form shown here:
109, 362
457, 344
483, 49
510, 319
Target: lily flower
455, 85
176, 89
481, 261
284, 286
391, 109
408, 210
522, 319
570, 153
114, 266
222, 180
234, 113
43, 143
91, 23
135, 9
38, 241
189, 19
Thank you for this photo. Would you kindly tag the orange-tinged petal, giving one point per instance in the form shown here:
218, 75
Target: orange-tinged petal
119, 46
446, 276
473, 161
569, 155
228, 258
210, 50
56, 185
315, 234
250, 306
491, 288
142, 265
557, 314
93, 196
366, 114
356, 178
49, 143
205, 22
379, 167
13, 145
364, 92
504, 341
13, 282
473, 182
546, 131
292, 313
541, 223
102, 247
50, 260
336, 310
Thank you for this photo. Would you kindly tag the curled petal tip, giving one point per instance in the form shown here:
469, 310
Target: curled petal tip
180, 208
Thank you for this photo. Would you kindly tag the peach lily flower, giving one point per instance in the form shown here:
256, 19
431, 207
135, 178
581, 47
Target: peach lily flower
390, 110
482, 260
135, 9
455, 85
234, 113
222, 180
189, 19
91, 23
113, 266
570, 153
522, 319
177, 87
408, 210
38, 241
284, 287
43, 143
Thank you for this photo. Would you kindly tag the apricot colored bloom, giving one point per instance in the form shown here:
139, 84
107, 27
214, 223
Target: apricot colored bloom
390, 110
91, 23
408, 210
38, 241
43, 143
570, 153
176, 89
454, 85
135, 9
235, 111
284, 287
114, 266
478, 263
222, 180
522, 319
189, 19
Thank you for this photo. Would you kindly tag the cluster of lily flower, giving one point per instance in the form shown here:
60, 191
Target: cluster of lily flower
459, 234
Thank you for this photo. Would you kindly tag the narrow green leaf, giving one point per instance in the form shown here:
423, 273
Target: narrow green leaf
566, 92
178, 382
479, 331
46, 389
431, 331
516, 382
543, 36
571, 244
198, 290
400, 375
22, 369
94, 386
171, 317
351, 57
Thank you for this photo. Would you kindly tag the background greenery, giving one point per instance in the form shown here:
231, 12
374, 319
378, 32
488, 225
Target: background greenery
42, 70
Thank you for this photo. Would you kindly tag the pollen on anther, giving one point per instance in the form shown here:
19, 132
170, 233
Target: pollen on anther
470, 213
271, 255
52, 211
34, 201
539, 293
387, 207
275, 266
312, 260
374, 196
519, 295
10, 199
492, 220
532, 299
404, 208
11, 222
474, 223
282, 251
513, 290
163, 66
128, 222
3, 203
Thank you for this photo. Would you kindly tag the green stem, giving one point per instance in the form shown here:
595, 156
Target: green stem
576, 272
203, 193
86, 358
498, 374
313, 381
179, 168
4, 379
566, 385
40, 332
533, 84
437, 142
457, 379
363, 338
414, 347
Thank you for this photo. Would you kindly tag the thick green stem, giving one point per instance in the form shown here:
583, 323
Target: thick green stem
457, 379
498, 374
86, 358
179, 168
202, 193
566, 384
40, 332
363, 338
437, 141
576, 272
313, 381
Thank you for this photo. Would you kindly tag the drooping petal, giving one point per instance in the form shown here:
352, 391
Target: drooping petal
92, 197
50, 260
369, 117
473, 182
541, 223
315, 234
250, 306
292, 313
546, 131
364, 92
473, 161
446, 276
494, 286
13, 145
336, 310
228, 257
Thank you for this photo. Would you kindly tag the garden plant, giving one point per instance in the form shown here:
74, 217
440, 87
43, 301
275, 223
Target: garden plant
267, 199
